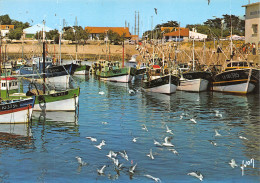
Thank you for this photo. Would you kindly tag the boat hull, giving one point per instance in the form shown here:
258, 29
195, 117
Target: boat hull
166, 84
59, 101
235, 81
124, 75
18, 111
193, 85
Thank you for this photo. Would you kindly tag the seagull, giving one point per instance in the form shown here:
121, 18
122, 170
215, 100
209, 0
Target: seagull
213, 143
124, 155
244, 138
131, 92
81, 163
193, 120
157, 143
101, 93
232, 163
132, 169
181, 116
116, 162
150, 155
167, 142
174, 151
218, 114
109, 155
100, 145
104, 123
92, 139
168, 130
101, 171
154, 178
217, 134
134, 139
144, 128
194, 174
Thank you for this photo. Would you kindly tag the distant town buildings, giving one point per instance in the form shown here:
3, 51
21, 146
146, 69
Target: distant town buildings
182, 34
4, 29
252, 22
95, 32
31, 31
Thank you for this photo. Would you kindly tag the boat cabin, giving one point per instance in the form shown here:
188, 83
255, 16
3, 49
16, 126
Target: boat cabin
38, 62
238, 65
10, 84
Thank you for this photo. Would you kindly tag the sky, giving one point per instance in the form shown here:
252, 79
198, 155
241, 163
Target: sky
114, 13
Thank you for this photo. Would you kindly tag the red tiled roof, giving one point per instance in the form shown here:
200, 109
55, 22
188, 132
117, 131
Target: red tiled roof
156, 67
7, 27
102, 30
183, 32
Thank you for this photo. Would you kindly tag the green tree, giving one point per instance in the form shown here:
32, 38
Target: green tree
15, 34
76, 33
5, 20
53, 35
114, 37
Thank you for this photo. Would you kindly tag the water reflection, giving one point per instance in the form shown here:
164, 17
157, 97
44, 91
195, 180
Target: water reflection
18, 136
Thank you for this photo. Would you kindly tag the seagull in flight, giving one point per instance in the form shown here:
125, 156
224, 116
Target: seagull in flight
132, 169
101, 171
144, 128
244, 138
100, 145
197, 175
157, 143
124, 155
92, 139
150, 155
213, 143
111, 154
168, 130
135, 139
154, 178
174, 151
101, 93
167, 142
193, 120
232, 163
81, 163
217, 134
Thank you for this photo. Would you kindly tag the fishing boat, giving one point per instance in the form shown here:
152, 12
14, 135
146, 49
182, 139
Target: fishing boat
237, 77
193, 79
160, 80
112, 71
81, 69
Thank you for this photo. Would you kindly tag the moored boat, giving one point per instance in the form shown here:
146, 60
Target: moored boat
237, 77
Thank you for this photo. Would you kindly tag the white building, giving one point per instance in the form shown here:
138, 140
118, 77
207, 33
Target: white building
31, 31
197, 36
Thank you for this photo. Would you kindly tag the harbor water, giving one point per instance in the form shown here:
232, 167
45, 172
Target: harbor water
45, 150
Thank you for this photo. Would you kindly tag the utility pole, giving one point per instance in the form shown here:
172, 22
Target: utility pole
135, 22
138, 25
152, 27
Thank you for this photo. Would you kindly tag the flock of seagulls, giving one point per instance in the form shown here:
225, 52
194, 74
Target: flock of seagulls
119, 166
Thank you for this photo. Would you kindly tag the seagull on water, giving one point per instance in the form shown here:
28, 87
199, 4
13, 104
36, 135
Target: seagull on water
181, 116
144, 128
81, 163
101, 171
101, 93
104, 123
218, 114
217, 134
174, 151
134, 139
132, 169
197, 175
157, 143
167, 142
100, 145
193, 120
213, 143
154, 178
131, 92
168, 130
92, 139
232, 163
150, 155
244, 138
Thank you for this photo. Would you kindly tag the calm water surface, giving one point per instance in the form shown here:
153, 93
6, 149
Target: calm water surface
45, 151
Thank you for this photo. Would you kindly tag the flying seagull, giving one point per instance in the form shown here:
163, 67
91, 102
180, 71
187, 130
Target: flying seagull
132, 169
232, 163
92, 139
197, 175
217, 134
168, 130
150, 155
101, 171
167, 142
155, 10
154, 178
81, 163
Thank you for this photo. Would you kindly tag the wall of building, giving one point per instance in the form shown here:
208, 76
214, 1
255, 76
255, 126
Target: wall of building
252, 24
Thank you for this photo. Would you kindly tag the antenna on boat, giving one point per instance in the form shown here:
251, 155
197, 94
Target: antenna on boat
231, 44
43, 56
193, 64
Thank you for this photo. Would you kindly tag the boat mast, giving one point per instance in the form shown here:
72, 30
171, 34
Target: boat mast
193, 61
43, 57
123, 62
60, 46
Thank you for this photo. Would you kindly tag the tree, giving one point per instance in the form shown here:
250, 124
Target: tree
114, 37
15, 34
75, 33
53, 35
5, 20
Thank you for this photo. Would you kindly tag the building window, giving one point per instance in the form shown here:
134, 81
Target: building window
254, 29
